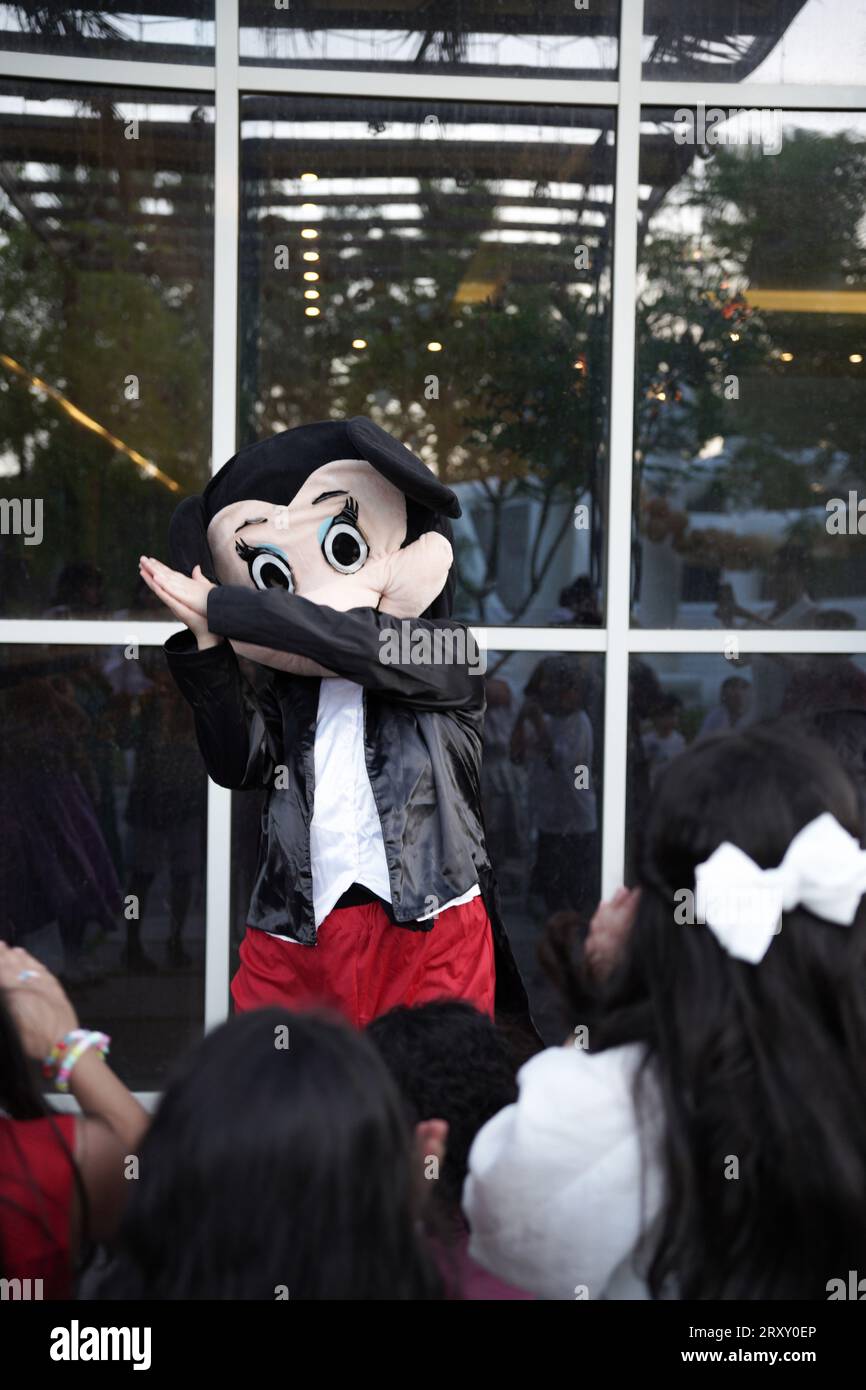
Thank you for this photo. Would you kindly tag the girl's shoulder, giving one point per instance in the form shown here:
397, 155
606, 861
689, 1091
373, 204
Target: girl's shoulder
40, 1148
36, 1193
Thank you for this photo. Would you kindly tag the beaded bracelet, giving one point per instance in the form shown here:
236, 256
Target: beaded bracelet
65, 1054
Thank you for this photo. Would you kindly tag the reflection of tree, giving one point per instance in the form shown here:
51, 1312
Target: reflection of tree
719, 48
789, 221
91, 291
515, 402
62, 24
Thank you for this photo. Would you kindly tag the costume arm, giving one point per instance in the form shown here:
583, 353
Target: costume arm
425, 663
230, 724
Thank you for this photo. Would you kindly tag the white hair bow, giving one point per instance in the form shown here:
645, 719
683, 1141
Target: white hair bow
824, 870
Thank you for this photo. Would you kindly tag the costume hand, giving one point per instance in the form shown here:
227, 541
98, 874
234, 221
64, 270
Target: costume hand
185, 595
37, 1004
609, 930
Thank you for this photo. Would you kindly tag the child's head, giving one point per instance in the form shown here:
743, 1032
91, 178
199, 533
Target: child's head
734, 696
761, 1065
278, 1165
449, 1063
666, 715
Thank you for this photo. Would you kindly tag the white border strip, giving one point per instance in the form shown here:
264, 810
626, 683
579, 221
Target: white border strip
794, 96
73, 632
223, 437
121, 72
110, 72
623, 329
539, 91
779, 640
65, 1104
540, 639
91, 632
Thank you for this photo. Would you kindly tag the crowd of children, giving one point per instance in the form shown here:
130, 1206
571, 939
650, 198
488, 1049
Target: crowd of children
699, 1134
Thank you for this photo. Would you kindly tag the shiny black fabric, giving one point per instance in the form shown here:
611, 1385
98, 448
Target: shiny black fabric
423, 726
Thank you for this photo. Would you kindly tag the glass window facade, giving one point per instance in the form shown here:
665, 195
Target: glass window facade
161, 31
508, 38
750, 410
445, 268
106, 283
620, 317
773, 41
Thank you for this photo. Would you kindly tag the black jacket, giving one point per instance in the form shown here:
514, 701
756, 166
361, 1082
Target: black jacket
423, 740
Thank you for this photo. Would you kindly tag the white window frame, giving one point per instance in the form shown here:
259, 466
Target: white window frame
225, 82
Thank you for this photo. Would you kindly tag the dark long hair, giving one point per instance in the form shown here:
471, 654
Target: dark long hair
278, 1165
765, 1064
22, 1099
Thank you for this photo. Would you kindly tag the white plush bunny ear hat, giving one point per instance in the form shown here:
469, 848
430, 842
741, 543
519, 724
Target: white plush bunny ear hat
275, 470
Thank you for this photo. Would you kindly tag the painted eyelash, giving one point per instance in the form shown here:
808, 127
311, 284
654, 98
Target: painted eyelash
349, 516
247, 552
349, 512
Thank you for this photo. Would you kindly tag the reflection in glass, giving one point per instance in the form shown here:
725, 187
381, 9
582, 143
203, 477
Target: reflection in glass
445, 270
678, 698
751, 414
541, 778
161, 31
106, 268
549, 38
541, 789
102, 832
758, 41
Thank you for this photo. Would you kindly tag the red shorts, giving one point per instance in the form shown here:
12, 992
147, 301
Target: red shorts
363, 965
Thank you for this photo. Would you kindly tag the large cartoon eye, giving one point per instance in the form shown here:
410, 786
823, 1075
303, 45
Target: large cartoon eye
343, 546
268, 566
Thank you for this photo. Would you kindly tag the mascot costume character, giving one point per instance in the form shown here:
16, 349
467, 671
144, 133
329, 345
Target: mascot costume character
323, 556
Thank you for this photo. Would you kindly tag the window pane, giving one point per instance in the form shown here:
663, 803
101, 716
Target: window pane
102, 835
676, 699
444, 269
547, 38
160, 31
541, 782
541, 787
755, 40
751, 413
106, 271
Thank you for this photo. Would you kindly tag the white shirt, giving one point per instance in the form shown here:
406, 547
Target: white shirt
564, 1183
346, 844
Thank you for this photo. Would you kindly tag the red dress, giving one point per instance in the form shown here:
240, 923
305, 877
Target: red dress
36, 1190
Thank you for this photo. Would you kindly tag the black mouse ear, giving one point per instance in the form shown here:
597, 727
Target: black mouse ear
401, 467
187, 539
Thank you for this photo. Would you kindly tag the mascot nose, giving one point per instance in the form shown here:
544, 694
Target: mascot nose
416, 575
402, 584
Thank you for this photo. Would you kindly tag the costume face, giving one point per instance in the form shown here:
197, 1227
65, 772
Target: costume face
339, 542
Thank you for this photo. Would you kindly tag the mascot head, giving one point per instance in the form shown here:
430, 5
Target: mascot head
340, 513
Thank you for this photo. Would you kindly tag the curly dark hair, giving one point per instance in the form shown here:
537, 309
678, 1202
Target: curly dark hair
450, 1063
